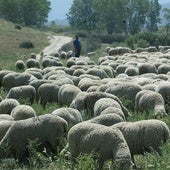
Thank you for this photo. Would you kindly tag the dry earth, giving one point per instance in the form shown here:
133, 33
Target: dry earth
56, 42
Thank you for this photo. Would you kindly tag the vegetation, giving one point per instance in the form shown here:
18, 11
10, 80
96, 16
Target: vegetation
10, 40
32, 13
114, 16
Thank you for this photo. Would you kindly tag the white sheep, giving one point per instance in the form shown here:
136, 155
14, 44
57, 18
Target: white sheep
20, 65
144, 135
49, 61
105, 142
48, 92
105, 103
16, 79
106, 119
2, 74
33, 63
146, 68
114, 110
7, 105
72, 116
48, 129
21, 112
4, 126
126, 91
6, 117
86, 101
25, 92
67, 93
147, 100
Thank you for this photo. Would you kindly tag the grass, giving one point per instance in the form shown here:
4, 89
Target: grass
11, 38
10, 52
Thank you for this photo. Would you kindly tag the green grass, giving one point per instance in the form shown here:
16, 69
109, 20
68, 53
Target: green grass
11, 38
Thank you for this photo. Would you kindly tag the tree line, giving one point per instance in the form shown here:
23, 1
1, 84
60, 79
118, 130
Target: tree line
32, 13
116, 16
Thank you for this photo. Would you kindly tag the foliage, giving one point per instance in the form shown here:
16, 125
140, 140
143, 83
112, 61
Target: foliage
115, 16
82, 15
26, 44
32, 13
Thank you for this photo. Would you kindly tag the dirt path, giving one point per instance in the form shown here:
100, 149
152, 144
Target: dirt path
56, 42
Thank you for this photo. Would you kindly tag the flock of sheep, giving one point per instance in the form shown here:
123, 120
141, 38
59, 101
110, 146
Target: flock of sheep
92, 117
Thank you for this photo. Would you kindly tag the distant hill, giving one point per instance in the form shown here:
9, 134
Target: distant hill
61, 22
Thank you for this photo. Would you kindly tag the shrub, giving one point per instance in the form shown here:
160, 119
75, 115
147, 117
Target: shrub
26, 44
142, 43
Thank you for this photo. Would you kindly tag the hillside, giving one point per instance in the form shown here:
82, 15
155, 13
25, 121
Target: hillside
11, 38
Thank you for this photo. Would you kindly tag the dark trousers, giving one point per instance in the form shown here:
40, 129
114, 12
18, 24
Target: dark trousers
77, 53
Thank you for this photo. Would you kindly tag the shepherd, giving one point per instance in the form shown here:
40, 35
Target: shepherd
77, 46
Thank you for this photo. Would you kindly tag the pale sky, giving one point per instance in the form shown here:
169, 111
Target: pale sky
61, 7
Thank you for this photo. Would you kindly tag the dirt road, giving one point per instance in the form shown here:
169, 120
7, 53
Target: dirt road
56, 42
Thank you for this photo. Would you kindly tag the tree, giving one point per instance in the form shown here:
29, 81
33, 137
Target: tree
153, 15
111, 14
167, 18
82, 15
136, 15
32, 13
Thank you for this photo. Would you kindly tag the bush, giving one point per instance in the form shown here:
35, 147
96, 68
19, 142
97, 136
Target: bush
26, 44
93, 43
142, 43
108, 39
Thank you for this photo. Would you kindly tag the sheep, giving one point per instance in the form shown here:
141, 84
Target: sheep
16, 79
25, 92
146, 68
131, 71
113, 110
144, 135
20, 65
103, 104
119, 51
50, 61
4, 126
2, 74
163, 69
126, 91
107, 143
147, 100
35, 73
48, 129
86, 101
163, 88
67, 93
48, 92
32, 63
7, 105
72, 116
33, 55
37, 83
6, 117
106, 119
97, 72
21, 112
85, 83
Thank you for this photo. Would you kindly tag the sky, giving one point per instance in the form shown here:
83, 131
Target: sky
59, 8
